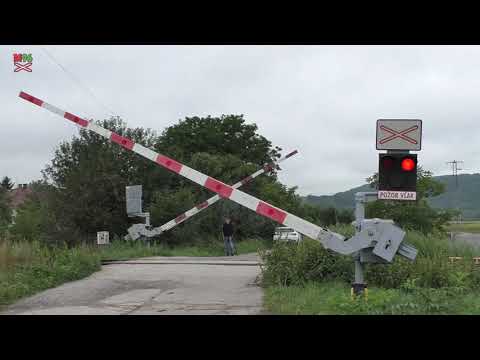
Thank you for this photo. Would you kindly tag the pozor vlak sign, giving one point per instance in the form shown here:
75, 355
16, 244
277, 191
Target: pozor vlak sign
397, 168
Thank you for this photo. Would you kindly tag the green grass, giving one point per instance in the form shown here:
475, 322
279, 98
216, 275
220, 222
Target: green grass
28, 268
333, 298
439, 244
307, 279
467, 226
119, 250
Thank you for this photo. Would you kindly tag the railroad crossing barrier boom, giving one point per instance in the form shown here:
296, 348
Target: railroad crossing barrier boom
137, 230
381, 233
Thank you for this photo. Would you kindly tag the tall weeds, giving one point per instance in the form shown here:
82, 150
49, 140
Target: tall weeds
29, 267
291, 264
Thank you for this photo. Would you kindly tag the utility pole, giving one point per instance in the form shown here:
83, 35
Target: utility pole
455, 170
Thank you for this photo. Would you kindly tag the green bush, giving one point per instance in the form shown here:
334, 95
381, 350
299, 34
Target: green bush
29, 267
292, 264
295, 264
5, 211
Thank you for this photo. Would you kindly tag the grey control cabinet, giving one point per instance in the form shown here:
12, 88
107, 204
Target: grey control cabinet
134, 199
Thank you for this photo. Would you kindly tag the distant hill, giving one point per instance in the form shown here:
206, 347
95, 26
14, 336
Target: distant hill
341, 200
466, 197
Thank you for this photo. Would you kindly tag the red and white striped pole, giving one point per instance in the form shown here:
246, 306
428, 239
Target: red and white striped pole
260, 207
202, 206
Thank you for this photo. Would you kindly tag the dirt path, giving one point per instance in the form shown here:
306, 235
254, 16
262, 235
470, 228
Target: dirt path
157, 285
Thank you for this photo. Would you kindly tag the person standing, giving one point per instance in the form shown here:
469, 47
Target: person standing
228, 237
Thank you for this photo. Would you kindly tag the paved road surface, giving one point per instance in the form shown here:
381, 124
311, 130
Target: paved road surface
469, 238
157, 285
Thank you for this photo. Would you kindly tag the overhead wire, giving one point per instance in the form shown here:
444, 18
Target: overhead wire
79, 83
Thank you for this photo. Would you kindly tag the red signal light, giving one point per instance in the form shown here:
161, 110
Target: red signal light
408, 164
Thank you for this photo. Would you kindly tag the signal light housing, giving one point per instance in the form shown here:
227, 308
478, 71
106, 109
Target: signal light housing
397, 172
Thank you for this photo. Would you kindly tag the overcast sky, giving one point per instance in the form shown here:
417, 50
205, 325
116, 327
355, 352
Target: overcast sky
322, 100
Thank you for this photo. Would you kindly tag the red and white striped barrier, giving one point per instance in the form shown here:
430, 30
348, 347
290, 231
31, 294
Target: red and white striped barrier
202, 206
225, 191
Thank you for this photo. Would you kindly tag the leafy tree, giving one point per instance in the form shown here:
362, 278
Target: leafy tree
229, 169
7, 183
36, 218
5, 211
325, 216
345, 216
328, 216
228, 134
88, 176
29, 221
417, 214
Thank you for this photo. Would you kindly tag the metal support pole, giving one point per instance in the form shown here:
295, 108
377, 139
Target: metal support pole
359, 210
358, 272
147, 224
359, 286
359, 283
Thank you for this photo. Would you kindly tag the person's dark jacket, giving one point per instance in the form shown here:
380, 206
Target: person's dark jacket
227, 229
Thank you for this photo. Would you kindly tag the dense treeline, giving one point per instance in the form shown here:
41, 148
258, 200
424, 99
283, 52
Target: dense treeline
83, 187
5, 213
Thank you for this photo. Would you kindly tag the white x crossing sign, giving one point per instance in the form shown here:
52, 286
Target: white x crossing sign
399, 134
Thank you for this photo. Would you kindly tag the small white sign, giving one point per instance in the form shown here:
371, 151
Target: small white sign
103, 238
397, 195
399, 134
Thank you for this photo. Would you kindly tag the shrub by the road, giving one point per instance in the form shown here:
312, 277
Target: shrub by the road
292, 264
27, 268
307, 279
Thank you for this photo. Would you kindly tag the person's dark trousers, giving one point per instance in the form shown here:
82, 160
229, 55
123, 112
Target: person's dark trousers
229, 246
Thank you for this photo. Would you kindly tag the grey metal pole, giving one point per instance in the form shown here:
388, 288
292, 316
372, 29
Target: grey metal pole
359, 282
359, 210
361, 198
359, 272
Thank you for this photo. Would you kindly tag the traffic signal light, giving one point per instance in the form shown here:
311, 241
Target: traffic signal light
397, 172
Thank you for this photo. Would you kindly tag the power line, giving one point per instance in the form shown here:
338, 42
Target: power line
78, 82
